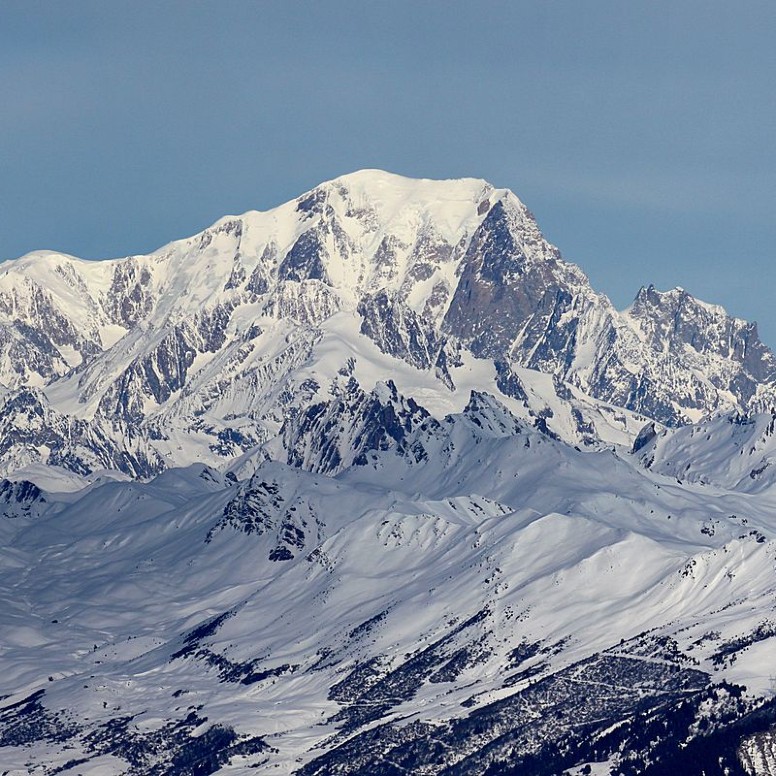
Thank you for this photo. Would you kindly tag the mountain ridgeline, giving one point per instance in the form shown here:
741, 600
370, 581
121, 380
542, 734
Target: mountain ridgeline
201, 350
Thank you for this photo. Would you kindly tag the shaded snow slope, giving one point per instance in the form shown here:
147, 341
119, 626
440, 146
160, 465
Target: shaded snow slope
463, 587
734, 451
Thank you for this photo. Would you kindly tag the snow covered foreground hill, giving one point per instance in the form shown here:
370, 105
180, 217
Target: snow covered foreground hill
486, 600
375, 483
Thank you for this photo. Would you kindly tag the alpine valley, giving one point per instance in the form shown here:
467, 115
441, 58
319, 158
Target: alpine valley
375, 483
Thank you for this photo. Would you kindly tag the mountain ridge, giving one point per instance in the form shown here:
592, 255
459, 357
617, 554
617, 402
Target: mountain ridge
148, 346
482, 597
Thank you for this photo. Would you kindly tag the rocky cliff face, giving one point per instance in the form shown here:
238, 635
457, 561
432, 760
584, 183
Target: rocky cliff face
204, 349
724, 351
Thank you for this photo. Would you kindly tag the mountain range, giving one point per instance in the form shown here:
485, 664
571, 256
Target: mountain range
375, 482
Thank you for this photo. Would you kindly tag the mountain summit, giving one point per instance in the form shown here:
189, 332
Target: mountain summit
203, 349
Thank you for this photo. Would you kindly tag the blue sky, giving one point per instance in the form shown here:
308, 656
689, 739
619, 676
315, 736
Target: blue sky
641, 135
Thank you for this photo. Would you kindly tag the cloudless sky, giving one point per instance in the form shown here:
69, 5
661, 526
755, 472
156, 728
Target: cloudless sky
641, 135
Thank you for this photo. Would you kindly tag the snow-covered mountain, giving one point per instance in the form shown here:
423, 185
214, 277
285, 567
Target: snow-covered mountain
484, 599
375, 483
202, 350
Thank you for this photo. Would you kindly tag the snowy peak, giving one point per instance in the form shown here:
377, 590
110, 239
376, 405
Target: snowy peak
721, 349
372, 230
387, 194
397, 202
206, 348
675, 318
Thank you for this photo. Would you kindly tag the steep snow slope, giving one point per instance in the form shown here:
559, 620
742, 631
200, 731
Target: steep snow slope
196, 352
732, 451
443, 607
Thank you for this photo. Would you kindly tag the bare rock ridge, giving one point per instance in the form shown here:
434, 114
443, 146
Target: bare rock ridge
202, 350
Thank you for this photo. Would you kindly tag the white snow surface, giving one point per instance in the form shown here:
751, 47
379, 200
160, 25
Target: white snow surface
574, 551
162, 356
